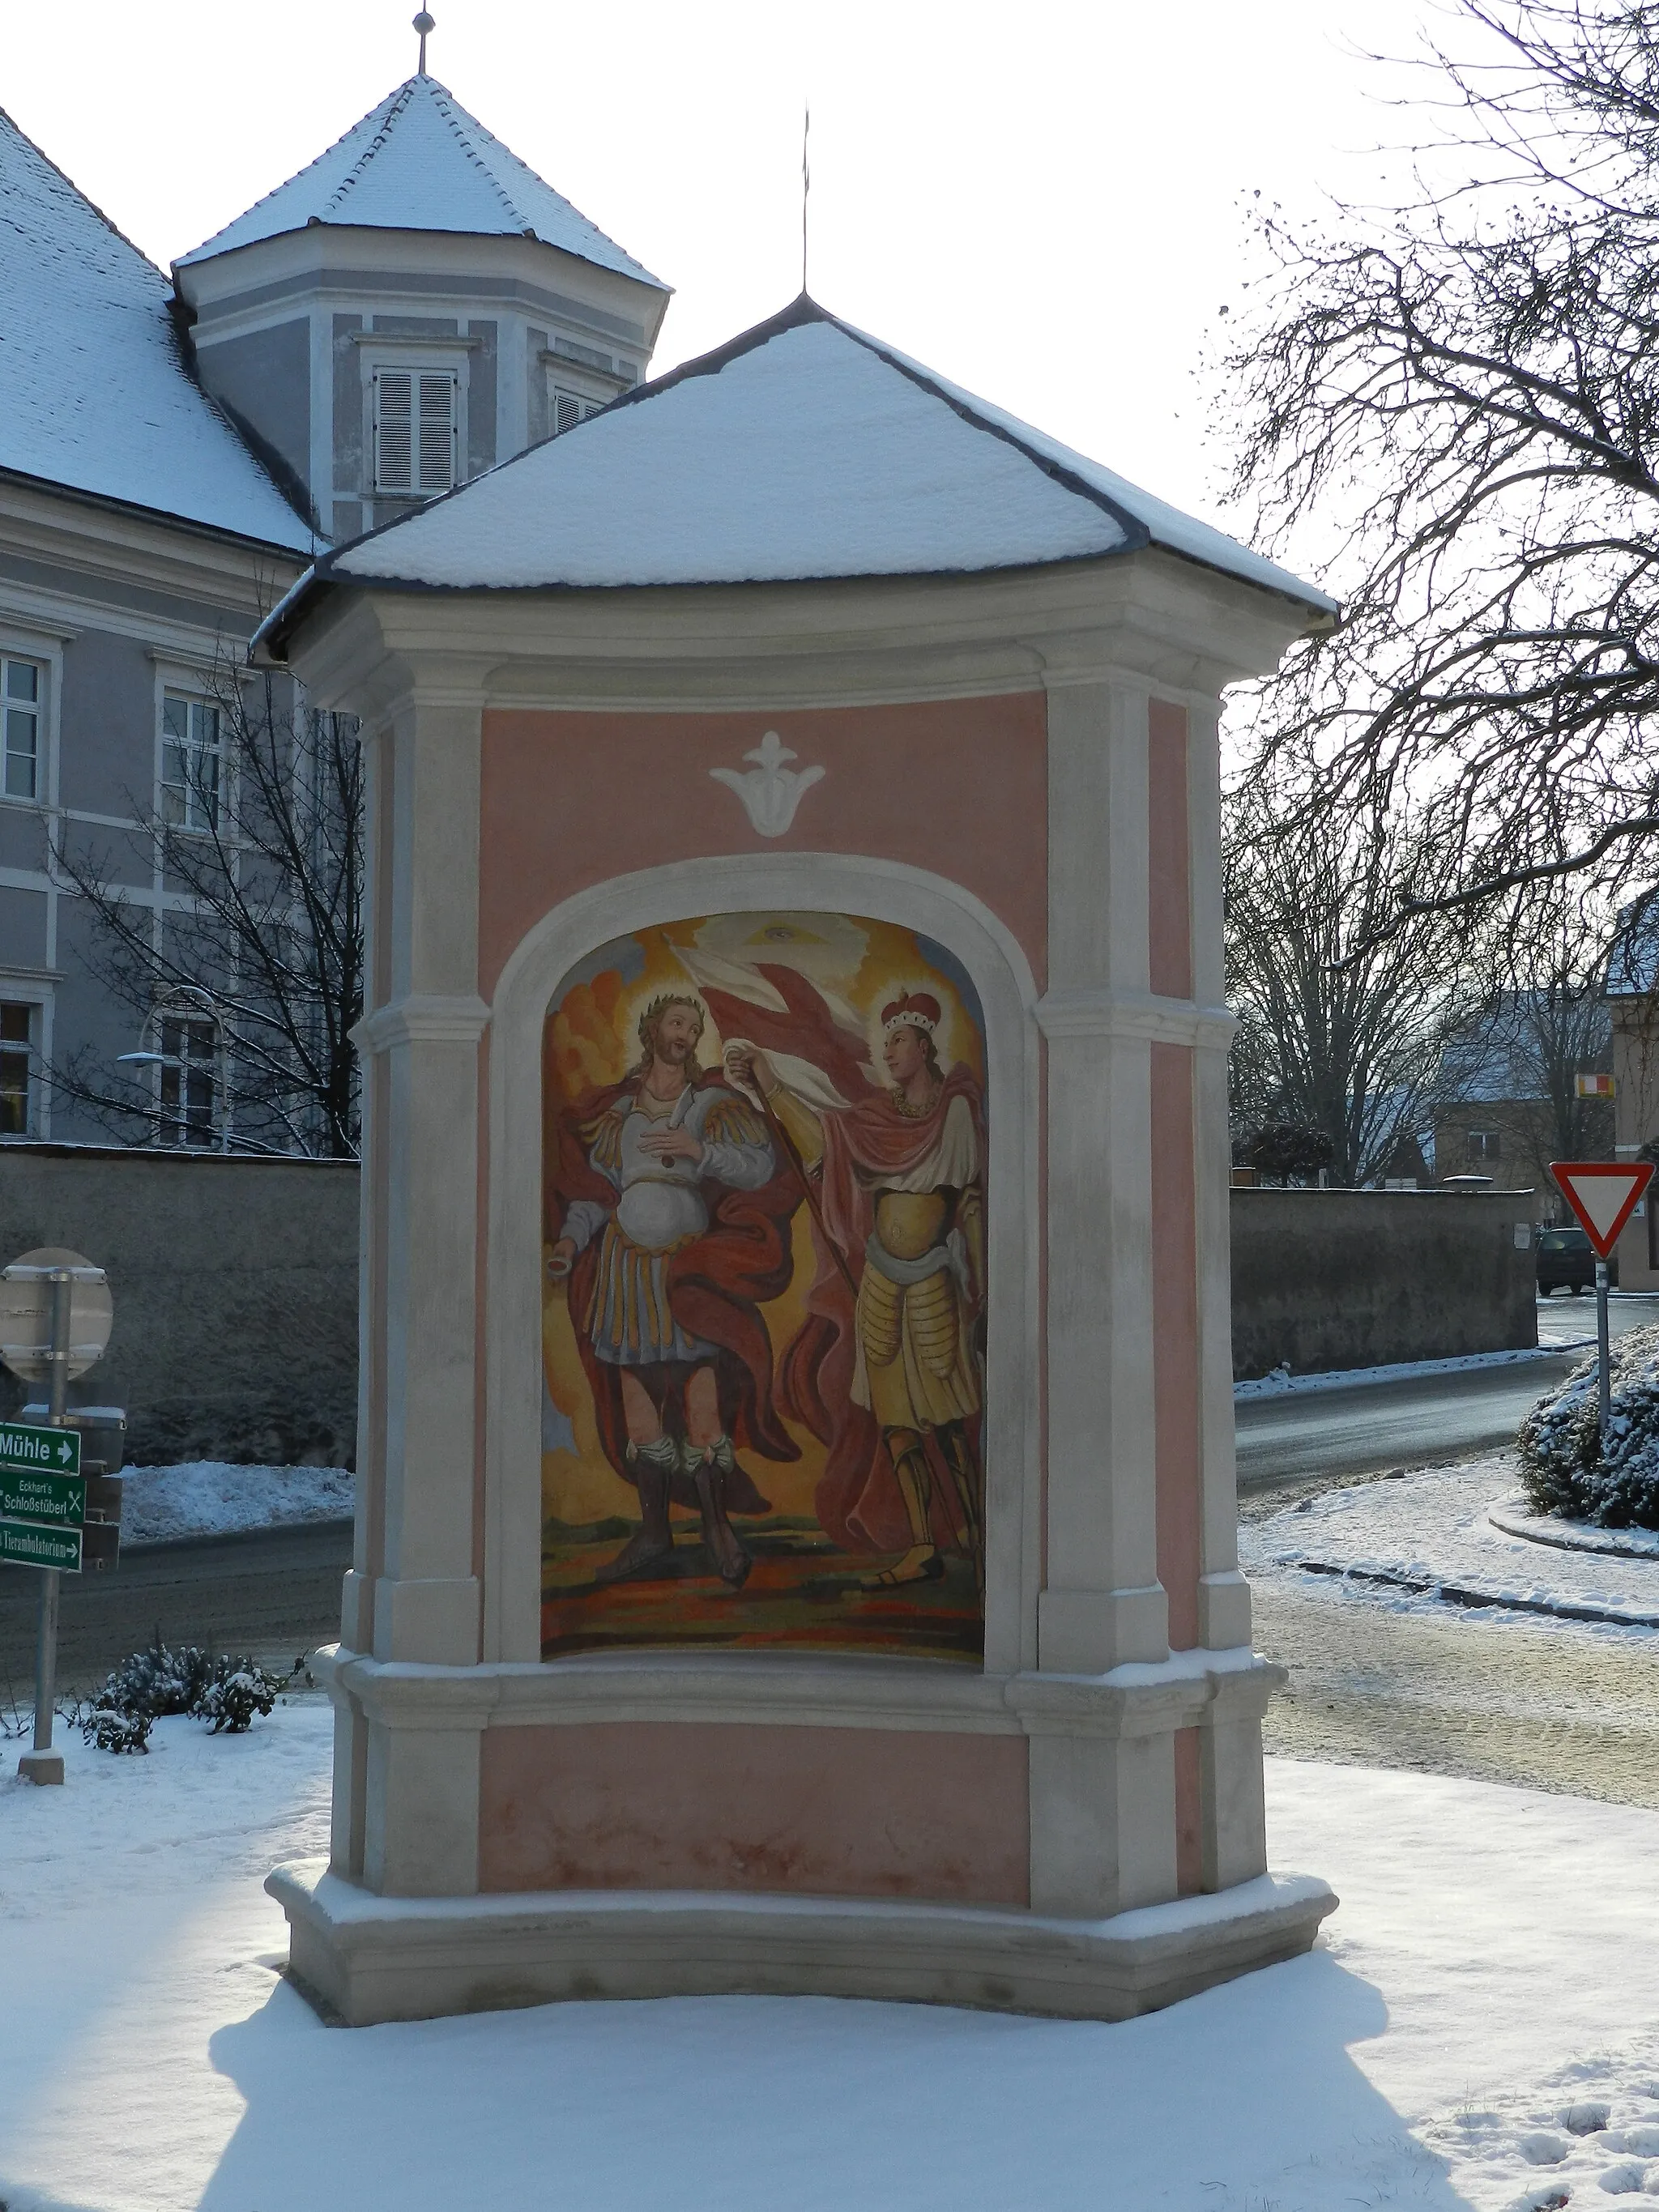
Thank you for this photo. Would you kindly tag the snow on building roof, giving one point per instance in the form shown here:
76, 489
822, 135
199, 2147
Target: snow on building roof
803, 449
419, 161
1632, 969
94, 393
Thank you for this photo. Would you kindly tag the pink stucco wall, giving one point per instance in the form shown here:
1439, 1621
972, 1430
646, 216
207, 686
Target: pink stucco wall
956, 787
692, 1805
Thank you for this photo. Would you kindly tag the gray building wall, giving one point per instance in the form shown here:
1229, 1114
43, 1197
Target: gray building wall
1325, 1279
263, 381
235, 1290
99, 754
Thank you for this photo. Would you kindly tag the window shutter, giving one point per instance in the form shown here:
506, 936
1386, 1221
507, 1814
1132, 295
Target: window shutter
568, 411
437, 430
393, 429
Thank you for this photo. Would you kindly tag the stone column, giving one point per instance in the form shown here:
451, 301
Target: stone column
413, 1594
1103, 1794
1232, 1817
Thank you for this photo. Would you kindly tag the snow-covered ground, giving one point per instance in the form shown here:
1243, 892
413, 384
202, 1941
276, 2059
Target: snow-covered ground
1486, 1995
211, 1498
1418, 1533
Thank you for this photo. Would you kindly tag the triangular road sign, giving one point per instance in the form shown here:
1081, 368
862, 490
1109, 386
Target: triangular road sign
1604, 1196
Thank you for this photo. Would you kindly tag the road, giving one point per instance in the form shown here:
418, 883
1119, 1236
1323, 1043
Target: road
275, 1593
1335, 1435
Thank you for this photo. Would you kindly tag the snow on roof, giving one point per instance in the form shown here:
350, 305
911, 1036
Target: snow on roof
1632, 969
94, 393
803, 449
419, 161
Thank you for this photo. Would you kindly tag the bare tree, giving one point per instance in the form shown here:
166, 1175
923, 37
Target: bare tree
1465, 390
1341, 1028
248, 973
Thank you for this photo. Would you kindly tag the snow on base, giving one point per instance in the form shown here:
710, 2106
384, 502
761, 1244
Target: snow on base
212, 1497
1420, 1532
1490, 1977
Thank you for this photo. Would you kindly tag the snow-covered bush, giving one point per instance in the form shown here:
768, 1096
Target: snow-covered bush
158, 1681
238, 1691
225, 1693
1563, 1468
111, 1730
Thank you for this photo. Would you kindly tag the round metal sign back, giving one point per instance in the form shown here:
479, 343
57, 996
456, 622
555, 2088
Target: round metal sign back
26, 1313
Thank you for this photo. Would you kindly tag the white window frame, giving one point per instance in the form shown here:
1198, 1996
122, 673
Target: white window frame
38, 999
16, 711
21, 641
195, 700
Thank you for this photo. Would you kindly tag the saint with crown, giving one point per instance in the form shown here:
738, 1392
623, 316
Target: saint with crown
886, 1368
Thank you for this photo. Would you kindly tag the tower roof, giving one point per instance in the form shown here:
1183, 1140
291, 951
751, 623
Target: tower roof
803, 449
94, 392
419, 161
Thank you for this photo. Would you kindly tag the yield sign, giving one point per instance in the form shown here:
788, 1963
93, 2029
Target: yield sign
1604, 1196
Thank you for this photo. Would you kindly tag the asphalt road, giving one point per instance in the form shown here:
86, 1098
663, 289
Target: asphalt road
1336, 1435
275, 1593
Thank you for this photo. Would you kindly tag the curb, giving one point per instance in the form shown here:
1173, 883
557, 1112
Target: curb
1509, 1516
1460, 1594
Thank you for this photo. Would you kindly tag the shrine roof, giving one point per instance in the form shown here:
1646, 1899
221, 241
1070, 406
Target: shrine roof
419, 161
803, 449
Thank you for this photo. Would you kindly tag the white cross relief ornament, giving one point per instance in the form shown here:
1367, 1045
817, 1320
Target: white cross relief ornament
771, 792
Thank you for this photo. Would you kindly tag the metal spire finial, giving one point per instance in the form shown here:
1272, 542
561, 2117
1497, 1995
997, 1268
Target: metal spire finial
805, 185
423, 24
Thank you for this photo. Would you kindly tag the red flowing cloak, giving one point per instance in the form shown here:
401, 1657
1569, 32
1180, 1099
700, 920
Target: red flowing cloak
858, 1499
716, 1287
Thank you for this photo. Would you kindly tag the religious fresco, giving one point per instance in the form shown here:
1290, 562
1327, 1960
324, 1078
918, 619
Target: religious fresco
765, 1292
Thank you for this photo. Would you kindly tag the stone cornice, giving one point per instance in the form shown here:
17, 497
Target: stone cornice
421, 1020
132, 549
1148, 619
1134, 1014
752, 1689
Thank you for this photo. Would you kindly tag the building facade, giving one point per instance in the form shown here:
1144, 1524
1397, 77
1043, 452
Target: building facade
411, 308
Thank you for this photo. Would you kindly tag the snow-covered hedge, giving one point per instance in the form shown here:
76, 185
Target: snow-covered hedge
225, 1693
1562, 1468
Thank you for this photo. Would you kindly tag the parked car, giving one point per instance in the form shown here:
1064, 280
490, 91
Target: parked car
1567, 1261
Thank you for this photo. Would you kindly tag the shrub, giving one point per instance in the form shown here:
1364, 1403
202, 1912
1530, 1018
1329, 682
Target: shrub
1285, 1148
116, 1731
1563, 1469
238, 1691
225, 1693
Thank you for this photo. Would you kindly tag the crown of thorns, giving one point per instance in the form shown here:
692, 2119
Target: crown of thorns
659, 1008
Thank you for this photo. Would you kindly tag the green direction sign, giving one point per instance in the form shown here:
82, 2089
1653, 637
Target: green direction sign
25, 1449
22, 1544
61, 1498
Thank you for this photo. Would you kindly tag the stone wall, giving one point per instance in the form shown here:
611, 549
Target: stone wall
235, 1290
1335, 1279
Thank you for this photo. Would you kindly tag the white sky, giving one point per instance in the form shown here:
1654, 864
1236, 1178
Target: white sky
1040, 200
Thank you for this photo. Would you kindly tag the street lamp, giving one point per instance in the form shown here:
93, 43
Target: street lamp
171, 1060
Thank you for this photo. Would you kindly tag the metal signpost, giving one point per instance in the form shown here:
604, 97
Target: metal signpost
55, 1318
1604, 1196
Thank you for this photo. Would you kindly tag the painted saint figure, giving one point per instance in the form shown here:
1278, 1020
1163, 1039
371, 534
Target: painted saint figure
671, 1223
897, 1181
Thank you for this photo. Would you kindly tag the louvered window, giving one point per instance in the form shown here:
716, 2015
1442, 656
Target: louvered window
565, 409
415, 430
